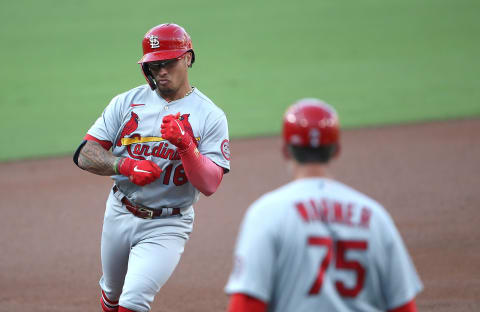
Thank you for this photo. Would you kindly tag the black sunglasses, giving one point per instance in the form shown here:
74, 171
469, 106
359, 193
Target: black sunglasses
157, 65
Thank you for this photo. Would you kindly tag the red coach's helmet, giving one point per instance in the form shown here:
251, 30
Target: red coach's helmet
311, 123
164, 42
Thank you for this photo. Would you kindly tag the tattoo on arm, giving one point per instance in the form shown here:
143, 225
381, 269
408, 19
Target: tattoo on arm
95, 159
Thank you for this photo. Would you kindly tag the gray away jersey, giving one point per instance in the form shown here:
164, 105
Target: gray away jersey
318, 245
131, 122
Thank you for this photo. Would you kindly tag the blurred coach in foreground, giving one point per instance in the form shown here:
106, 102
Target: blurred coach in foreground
316, 244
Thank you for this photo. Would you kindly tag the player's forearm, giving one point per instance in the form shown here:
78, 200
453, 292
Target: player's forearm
95, 159
203, 173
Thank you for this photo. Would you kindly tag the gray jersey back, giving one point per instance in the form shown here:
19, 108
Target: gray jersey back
318, 245
132, 123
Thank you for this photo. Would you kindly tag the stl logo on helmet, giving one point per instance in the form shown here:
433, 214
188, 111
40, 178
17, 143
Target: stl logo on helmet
154, 43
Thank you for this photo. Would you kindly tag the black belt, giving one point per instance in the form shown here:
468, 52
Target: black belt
144, 212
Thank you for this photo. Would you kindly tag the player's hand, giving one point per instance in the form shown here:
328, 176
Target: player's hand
140, 172
173, 130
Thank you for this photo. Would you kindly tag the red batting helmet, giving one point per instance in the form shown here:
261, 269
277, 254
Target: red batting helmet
311, 123
164, 42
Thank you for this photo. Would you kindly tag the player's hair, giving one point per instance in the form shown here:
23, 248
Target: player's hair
307, 154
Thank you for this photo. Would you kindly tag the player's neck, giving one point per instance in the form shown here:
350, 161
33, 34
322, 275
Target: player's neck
180, 93
309, 171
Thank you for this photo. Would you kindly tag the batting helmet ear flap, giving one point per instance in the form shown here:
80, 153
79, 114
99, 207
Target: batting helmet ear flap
148, 75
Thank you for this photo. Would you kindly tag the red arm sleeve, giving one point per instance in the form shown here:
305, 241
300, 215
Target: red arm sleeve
203, 173
243, 303
408, 307
105, 144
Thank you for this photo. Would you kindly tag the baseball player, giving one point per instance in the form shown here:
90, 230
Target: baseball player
316, 244
163, 143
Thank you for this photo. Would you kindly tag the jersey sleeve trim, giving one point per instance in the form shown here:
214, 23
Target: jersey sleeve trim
244, 303
225, 170
408, 307
104, 143
77, 152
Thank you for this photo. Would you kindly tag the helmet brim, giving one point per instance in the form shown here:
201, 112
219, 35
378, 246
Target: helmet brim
161, 55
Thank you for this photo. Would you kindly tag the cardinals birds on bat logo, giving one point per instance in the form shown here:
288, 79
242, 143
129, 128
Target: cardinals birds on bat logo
129, 127
188, 128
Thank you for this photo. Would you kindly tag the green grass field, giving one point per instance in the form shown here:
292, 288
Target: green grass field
377, 62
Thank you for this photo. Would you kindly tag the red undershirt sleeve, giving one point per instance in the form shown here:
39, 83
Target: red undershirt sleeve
105, 144
408, 307
244, 303
203, 173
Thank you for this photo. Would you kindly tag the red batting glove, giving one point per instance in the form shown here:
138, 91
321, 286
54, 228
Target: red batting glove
140, 172
173, 130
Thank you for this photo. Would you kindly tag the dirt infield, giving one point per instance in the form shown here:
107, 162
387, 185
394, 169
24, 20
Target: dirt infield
426, 175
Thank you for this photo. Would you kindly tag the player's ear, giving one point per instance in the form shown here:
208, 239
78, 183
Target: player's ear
286, 152
188, 59
336, 153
